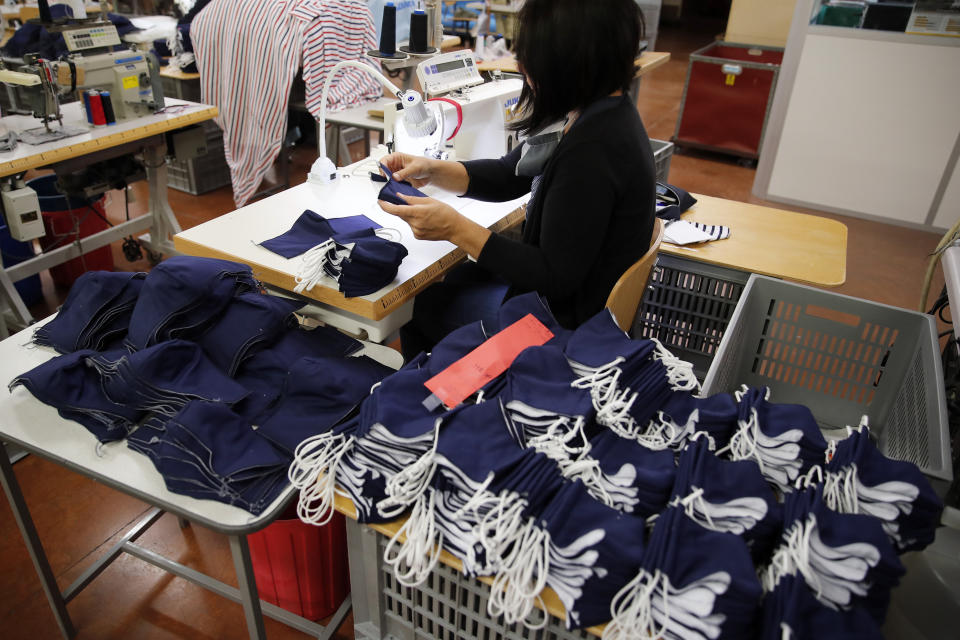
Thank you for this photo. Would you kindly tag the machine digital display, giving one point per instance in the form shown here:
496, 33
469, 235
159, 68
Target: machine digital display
447, 66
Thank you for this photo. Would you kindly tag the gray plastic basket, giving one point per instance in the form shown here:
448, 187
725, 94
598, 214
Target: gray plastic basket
662, 153
842, 357
447, 606
203, 174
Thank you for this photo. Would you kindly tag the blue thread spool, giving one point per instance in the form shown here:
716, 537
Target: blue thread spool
86, 106
418, 34
388, 35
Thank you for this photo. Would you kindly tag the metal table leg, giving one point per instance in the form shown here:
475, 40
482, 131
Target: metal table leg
29, 532
248, 587
165, 224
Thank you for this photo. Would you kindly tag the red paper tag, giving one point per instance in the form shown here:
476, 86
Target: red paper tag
464, 377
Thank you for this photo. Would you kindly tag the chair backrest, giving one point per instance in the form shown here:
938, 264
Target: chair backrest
625, 297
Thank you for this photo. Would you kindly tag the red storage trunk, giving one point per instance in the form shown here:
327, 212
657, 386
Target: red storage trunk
301, 567
65, 220
727, 97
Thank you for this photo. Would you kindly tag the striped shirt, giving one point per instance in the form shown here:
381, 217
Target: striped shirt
248, 53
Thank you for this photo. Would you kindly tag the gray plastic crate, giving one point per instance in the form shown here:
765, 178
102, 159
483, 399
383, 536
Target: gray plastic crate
203, 174
842, 357
447, 606
687, 307
662, 153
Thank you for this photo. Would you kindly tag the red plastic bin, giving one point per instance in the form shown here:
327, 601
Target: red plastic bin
727, 98
64, 220
301, 567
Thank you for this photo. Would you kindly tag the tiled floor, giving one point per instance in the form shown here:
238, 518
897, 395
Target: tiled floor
78, 519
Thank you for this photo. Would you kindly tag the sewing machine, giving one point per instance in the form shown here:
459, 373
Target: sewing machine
472, 115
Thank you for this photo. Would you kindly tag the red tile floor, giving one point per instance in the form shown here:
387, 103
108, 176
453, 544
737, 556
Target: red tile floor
77, 518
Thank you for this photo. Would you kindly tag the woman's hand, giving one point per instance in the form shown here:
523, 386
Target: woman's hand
431, 219
418, 171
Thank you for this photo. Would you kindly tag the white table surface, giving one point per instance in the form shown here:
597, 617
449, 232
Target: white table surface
179, 113
235, 235
38, 428
359, 116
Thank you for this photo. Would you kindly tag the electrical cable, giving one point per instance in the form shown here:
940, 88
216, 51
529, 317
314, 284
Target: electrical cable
945, 241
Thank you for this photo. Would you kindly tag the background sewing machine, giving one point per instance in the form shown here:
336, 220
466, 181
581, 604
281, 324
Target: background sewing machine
127, 82
472, 115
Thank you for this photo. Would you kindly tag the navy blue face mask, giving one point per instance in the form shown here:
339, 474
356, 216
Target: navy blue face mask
860, 479
70, 385
183, 296
792, 608
311, 229
693, 583
846, 560
96, 310
317, 394
390, 192
249, 319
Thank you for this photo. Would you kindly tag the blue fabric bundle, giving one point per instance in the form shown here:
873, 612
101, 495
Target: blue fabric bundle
684, 416
250, 319
163, 378
783, 439
311, 229
846, 560
860, 479
726, 496
95, 314
208, 452
792, 610
367, 262
183, 296
629, 380
694, 583
317, 394
69, 384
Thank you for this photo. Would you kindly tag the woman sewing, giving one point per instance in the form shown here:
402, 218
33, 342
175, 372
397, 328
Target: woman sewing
586, 161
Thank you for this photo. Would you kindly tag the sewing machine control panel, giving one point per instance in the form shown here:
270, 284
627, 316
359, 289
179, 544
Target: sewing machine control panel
448, 72
101, 35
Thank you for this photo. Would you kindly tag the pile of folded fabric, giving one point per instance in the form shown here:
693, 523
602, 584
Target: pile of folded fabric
589, 464
352, 252
198, 369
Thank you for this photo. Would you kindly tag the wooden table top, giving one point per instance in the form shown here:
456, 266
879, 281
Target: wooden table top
646, 62
772, 242
180, 113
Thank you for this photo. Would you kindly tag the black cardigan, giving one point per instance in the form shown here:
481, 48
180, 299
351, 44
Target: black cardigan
591, 218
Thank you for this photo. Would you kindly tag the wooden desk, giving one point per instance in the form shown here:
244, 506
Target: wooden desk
646, 62
768, 241
100, 143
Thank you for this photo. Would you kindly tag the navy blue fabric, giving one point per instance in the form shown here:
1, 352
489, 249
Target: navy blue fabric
74, 388
183, 295
249, 318
635, 468
372, 264
318, 393
311, 229
34, 38
391, 191
672, 211
794, 605
893, 490
209, 452
716, 415
96, 310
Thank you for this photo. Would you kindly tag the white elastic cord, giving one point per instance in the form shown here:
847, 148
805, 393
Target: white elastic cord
410, 483
631, 610
420, 550
314, 472
679, 372
389, 233
521, 577
315, 263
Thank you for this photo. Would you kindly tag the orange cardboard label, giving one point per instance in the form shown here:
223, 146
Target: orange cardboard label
464, 377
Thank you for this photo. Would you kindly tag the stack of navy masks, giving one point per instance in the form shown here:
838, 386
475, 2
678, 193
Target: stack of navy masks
348, 250
553, 473
206, 373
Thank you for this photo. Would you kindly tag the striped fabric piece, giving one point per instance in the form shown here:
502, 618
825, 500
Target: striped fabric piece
248, 53
337, 30
715, 231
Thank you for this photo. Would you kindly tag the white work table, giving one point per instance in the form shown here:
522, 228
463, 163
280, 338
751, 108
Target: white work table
234, 236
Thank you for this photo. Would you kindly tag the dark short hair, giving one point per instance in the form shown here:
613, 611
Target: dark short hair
573, 53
